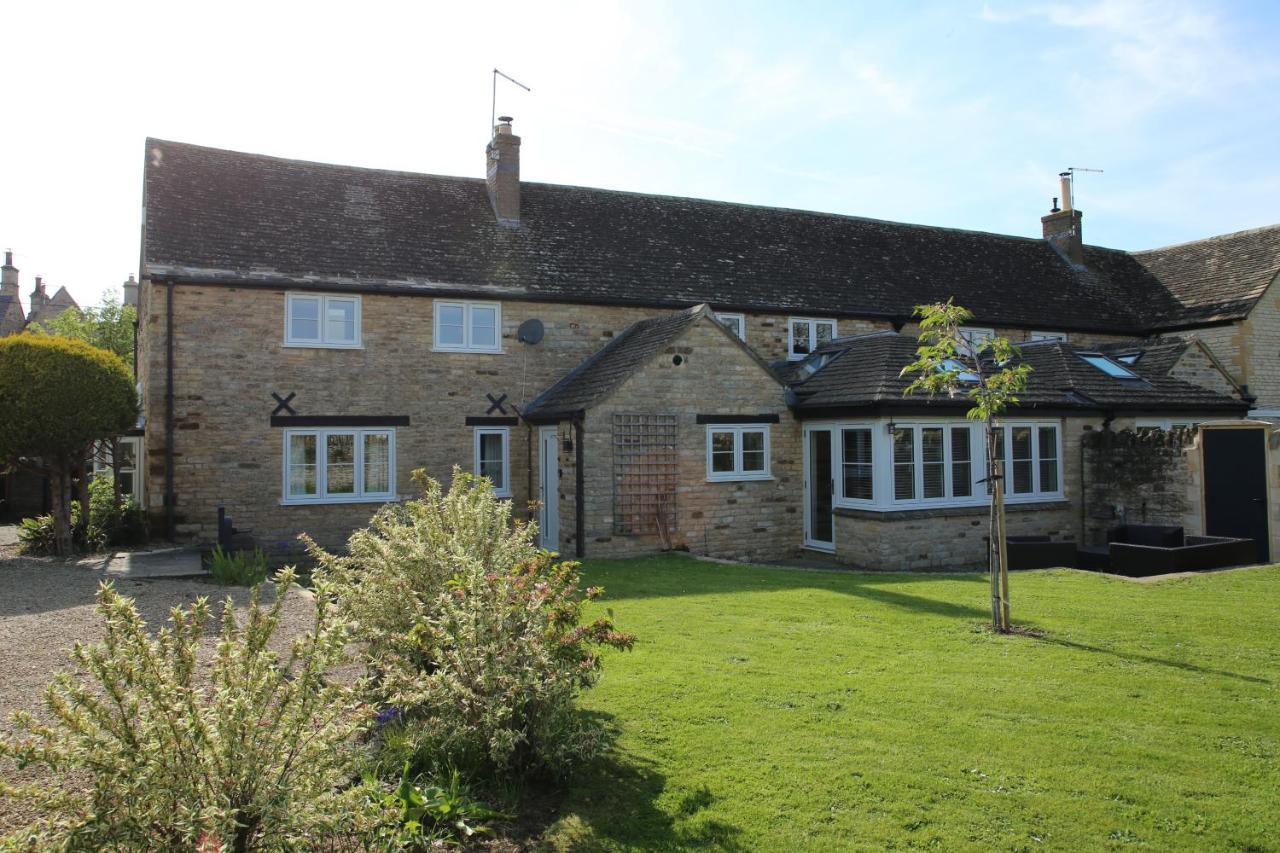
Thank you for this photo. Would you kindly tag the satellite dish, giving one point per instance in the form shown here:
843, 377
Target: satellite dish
530, 331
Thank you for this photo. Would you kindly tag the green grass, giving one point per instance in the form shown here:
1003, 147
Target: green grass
780, 709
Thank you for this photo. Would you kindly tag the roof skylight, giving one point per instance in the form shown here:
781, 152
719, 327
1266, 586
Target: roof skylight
1109, 367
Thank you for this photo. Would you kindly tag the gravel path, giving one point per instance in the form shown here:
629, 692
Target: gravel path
46, 605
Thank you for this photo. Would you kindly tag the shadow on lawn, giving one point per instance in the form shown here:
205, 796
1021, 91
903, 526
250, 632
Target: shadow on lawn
684, 576
1137, 658
616, 798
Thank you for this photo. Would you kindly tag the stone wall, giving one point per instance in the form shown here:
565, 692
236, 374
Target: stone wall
229, 357
750, 520
1146, 477
1199, 369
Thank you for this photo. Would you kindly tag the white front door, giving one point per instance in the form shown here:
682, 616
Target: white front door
549, 488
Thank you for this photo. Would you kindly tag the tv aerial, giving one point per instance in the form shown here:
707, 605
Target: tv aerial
493, 108
1069, 184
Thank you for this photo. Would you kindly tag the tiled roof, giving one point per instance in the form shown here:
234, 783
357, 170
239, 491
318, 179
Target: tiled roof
592, 381
864, 373
215, 215
1220, 277
59, 302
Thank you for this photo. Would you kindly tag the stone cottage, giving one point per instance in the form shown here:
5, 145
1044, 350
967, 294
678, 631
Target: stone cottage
641, 372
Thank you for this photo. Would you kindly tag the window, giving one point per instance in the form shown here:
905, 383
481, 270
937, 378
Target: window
322, 321
803, 336
468, 327
737, 452
492, 458
973, 336
857, 463
932, 462
736, 323
339, 465
1164, 424
130, 483
1107, 366
1048, 336
1032, 459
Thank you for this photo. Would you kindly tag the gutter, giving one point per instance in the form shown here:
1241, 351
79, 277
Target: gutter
169, 494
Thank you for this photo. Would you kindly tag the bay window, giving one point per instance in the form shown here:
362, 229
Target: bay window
857, 464
737, 452
932, 462
1031, 454
339, 465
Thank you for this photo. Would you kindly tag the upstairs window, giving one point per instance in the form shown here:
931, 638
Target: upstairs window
468, 327
737, 452
973, 336
736, 323
805, 335
322, 321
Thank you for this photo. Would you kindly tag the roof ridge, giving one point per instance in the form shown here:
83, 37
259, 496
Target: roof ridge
1242, 232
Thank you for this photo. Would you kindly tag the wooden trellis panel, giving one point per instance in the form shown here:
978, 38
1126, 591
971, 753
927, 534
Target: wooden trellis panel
645, 472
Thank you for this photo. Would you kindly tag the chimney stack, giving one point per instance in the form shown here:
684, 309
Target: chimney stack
38, 297
1062, 228
130, 289
9, 276
502, 173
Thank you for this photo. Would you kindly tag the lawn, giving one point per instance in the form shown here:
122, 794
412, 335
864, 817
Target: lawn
777, 709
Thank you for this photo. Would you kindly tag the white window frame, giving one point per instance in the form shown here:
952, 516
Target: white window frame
971, 336
505, 432
467, 344
1036, 495
103, 463
948, 496
321, 496
322, 341
738, 474
740, 319
1048, 336
883, 494
813, 322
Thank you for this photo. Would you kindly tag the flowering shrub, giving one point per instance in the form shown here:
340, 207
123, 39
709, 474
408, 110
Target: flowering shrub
473, 634
261, 757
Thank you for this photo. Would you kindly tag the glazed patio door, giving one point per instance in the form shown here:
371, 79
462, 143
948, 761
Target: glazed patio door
819, 485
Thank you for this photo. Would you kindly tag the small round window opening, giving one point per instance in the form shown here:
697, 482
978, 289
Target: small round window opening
677, 360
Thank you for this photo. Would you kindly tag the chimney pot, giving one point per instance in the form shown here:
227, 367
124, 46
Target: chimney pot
8, 257
130, 289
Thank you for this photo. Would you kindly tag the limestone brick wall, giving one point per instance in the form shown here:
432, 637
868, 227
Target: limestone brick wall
954, 537
1227, 345
753, 520
1261, 348
1197, 368
229, 357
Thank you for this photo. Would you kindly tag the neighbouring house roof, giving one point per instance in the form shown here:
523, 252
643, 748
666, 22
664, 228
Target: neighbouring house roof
59, 302
1216, 278
864, 372
222, 216
11, 316
595, 378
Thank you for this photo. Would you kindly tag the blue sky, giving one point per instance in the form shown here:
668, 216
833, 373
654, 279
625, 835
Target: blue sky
955, 113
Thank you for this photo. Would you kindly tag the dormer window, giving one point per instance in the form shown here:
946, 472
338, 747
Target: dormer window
973, 336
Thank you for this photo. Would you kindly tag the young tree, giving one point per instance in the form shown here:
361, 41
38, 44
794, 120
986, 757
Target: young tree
988, 372
108, 326
58, 397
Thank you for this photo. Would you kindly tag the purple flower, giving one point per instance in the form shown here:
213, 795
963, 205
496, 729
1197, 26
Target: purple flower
386, 715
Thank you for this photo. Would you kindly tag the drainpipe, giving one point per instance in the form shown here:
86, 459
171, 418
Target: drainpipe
169, 496
579, 477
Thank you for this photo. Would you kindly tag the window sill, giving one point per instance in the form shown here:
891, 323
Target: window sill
468, 350
904, 513
741, 478
379, 499
297, 345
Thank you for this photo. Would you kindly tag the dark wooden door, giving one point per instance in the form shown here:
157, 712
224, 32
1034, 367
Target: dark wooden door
1235, 486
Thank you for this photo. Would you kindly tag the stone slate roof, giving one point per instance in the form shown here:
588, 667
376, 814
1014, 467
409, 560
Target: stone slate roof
1220, 277
222, 216
594, 379
61, 301
863, 373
